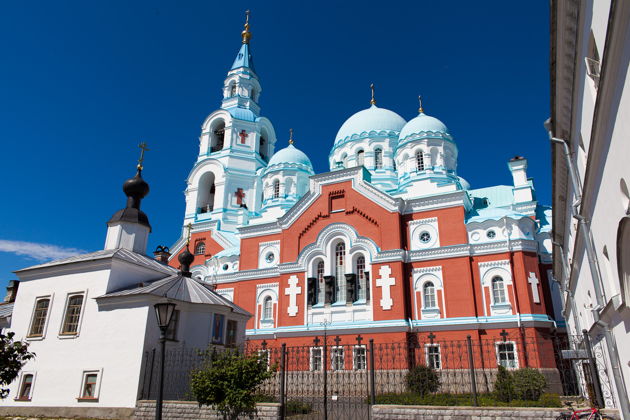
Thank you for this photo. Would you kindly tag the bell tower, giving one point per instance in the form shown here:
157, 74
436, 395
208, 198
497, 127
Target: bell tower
234, 147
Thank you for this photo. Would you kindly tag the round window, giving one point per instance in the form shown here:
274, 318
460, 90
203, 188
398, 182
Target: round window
425, 237
491, 234
225, 267
270, 257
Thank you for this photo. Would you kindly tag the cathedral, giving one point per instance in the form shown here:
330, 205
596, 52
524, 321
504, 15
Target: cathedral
389, 243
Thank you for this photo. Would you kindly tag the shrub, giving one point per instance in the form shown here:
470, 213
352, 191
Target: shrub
295, 407
503, 385
485, 400
422, 380
13, 356
529, 384
228, 381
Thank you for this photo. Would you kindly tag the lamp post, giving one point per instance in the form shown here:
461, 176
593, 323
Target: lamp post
164, 312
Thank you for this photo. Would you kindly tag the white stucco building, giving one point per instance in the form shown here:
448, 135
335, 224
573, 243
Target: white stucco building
90, 318
590, 130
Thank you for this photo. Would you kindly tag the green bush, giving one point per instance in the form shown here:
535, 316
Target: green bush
295, 407
465, 400
504, 386
529, 384
422, 380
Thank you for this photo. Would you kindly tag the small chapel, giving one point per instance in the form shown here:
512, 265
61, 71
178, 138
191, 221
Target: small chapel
389, 244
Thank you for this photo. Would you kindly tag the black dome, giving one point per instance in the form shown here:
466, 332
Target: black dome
136, 187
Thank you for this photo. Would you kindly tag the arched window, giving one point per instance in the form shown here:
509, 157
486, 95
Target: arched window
419, 161
200, 248
428, 295
378, 159
267, 308
276, 189
205, 193
253, 94
344, 160
217, 136
361, 280
360, 158
233, 90
498, 290
320, 282
340, 272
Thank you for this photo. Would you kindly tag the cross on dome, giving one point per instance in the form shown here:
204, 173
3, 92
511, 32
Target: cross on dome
143, 148
246, 34
372, 101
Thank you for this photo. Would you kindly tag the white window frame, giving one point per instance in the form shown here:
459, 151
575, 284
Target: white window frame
97, 389
30, 337
312, 358
268, 357
439, 354
333, 353
514, 348
354, 357
506, 300
21, 383
65, 311
424, 295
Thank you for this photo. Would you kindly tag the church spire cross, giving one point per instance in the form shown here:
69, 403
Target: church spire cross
420, 109
143, 148
290, 136
372, 101
246, 34
189, 230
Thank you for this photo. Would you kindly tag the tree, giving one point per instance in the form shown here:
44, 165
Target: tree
503, 386
13, 356
423, 380
228, 381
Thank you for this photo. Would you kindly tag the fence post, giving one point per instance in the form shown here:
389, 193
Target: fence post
471, 365
372, 374
325, 357
151, 374
593, 368
283, 373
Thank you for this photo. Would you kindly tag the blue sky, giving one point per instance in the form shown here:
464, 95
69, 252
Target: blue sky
82, 83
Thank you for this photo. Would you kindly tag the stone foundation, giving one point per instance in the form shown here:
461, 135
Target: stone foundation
119, 413
178, 410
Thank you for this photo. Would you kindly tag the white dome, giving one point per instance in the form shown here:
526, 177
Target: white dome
423, 124
373, 119
290, 154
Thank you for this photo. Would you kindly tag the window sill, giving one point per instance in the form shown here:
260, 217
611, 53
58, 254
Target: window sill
87, 399
317, 306
22, 399
34, 337
501, 306
360, 302
337, 304
65, 336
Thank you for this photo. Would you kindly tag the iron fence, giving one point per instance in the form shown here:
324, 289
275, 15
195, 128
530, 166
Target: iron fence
340, 377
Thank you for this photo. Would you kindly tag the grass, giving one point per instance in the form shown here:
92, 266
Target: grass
485, 400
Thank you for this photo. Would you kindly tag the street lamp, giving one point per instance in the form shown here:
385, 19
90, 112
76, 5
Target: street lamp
164, 312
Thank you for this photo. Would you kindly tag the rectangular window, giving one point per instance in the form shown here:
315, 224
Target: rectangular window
336, 357
230, 338
433, 356
265, 356
171, 329
506, 355
26, 387
89, 386
217, 328
316, 358
360, 359
73, 315
39, 317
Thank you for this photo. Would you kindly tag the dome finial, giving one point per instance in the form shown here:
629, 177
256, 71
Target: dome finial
246, 34
372, 101
420, 110
143, 148
290, 136
189, 230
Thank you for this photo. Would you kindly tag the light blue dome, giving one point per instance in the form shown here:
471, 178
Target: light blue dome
290, 155
423, 124
373, 119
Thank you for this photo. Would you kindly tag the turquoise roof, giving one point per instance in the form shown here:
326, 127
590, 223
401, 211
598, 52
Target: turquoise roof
290, 154
243, 59
372, 119
230, 252
497, 196
423, 124
495, 214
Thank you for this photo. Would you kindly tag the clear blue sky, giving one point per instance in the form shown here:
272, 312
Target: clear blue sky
82, 83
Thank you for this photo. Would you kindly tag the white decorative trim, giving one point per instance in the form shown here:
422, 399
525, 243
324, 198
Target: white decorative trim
227, 293
418, 227
385, 282
266, 248
451, 199
292, 291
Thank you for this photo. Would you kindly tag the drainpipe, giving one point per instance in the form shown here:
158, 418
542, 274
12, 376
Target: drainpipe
514, 294
593, 263
564, 287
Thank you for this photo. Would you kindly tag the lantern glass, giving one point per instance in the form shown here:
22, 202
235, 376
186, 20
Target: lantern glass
164, 312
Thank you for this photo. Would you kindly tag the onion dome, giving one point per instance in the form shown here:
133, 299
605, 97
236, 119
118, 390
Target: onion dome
185, 259
424, 125
291, 157
374, 120
135, 189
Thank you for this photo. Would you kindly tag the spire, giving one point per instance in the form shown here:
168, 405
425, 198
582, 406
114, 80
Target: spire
372, 101
246, 34
420, 110
290, 136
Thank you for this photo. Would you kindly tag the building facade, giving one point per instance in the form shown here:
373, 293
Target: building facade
589, 128
390, 244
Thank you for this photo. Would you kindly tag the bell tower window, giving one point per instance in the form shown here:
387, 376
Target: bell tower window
419, 161
276, 189
217, 137
233, 90
206, 192
360, 158
378, 159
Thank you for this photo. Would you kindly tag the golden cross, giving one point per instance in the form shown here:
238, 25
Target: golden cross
143, 148
373, 101
420, 110
290, 136
189, 227
247, 16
